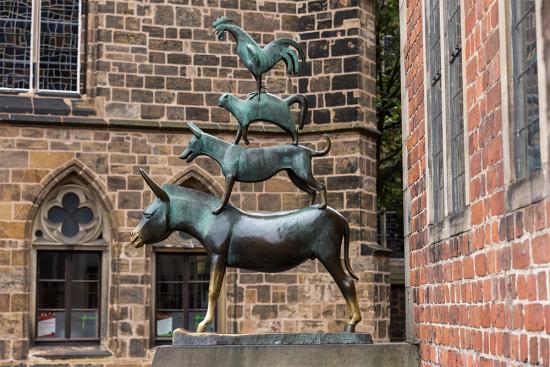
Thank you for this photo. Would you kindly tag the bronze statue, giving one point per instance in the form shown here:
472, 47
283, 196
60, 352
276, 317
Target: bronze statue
269, 109
257, 164
260, 60
261, 242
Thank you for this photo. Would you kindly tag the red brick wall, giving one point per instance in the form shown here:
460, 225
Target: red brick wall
480, 297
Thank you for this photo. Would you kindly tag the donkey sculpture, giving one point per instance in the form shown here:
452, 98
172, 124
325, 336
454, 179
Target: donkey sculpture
272, 242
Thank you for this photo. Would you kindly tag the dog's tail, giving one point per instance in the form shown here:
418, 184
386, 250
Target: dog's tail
346, 252
304, 106
324, 151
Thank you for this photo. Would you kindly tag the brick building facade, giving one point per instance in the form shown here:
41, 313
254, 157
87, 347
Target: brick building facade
71, 150
476, 180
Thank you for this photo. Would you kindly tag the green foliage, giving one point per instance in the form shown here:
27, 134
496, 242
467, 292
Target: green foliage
388, 106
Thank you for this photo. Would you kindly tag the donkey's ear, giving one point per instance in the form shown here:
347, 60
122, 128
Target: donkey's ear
196, 131
157, 190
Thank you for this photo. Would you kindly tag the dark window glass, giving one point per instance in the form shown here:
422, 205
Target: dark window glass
181, 292
51, 266
525, 88
59, 36
435, 106
68, 296
455, 105
15, 43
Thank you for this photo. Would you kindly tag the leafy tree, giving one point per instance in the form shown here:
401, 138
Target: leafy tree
388, 106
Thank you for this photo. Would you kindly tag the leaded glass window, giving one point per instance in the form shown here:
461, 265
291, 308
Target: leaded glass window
181, 292
68, 296
525, 88
15, 44
435, 107
455, 105
47, 60
59, 37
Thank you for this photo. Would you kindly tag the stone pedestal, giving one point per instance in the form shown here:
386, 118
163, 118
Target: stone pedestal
277, 349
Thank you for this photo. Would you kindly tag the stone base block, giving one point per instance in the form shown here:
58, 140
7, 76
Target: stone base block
270, 350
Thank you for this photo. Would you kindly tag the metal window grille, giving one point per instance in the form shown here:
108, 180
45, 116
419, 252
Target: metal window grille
182, 281
525, 88
455, 105
390, 232
435, 106
46, 59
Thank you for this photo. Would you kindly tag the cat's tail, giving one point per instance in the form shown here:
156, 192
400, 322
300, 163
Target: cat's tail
324, 151
304, 105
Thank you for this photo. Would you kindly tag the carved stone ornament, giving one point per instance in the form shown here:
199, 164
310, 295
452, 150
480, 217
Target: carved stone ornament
69, 215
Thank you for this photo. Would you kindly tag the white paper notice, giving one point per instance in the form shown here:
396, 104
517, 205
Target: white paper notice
46, 327
164, 327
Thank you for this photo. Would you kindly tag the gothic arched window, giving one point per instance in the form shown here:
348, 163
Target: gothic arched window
69, 241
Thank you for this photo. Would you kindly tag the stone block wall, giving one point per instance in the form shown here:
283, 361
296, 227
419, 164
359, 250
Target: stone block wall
161, 61
479, 289
150, 67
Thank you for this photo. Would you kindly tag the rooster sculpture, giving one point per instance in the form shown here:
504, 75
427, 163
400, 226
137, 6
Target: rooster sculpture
260, 60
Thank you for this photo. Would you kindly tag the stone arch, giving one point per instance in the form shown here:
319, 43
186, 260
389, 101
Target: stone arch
76, 170
198, 179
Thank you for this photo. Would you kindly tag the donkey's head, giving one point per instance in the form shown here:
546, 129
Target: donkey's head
153, 227
194, 148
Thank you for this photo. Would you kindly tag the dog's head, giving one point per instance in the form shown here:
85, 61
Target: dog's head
153, 227
194, 148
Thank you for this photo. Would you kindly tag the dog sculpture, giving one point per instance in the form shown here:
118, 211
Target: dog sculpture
257, 164
269, 108
272, 242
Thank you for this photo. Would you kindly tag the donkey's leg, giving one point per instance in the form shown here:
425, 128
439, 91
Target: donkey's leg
229, 182
297, 181
347, 287
217, 272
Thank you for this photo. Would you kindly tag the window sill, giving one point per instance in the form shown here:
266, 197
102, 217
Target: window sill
450, 226
371, 249
526, 191
47, 105
70, 352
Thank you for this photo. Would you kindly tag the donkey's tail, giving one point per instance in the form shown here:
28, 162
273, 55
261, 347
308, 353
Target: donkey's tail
304, 105
324, 151
346, 252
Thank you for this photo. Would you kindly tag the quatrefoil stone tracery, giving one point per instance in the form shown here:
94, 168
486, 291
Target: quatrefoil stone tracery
69, 215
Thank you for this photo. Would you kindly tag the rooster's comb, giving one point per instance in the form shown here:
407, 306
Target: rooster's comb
222, 20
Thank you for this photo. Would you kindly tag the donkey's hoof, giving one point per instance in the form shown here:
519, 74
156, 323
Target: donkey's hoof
322, 206
350, 328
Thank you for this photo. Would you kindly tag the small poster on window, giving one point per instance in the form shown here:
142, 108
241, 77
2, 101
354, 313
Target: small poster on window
164, 325
46, 324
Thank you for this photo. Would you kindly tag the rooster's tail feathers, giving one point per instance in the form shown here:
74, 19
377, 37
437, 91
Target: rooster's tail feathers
287, 54
291, 60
